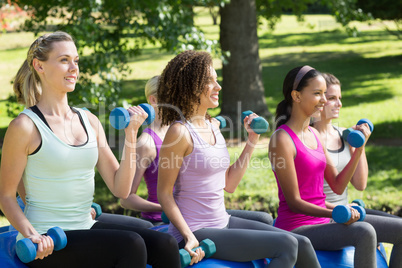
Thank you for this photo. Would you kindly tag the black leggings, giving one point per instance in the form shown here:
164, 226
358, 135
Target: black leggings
111, 245
245, 240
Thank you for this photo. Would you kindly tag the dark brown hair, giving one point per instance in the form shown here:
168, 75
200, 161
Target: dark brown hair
181, 84
284, 108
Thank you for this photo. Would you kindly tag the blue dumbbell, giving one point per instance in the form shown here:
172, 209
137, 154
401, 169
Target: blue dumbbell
259, 125
119, 118
26, 249
355, 137
359, 202
98, 209
222, 121
342, 214
207, 246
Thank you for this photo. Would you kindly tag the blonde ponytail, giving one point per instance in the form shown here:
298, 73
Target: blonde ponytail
26, 86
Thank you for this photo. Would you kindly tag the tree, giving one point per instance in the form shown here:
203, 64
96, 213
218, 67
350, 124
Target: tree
242, 80
109, 32
384, 10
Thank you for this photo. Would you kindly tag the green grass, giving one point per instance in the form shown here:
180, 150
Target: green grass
4, 221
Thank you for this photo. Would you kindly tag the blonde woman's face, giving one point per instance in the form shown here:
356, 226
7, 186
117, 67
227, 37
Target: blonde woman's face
60, 72
334, 103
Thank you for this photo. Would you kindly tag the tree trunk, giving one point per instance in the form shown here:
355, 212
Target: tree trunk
242, 87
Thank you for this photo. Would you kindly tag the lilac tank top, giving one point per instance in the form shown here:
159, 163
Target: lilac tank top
310, 166
199, 186
151, 179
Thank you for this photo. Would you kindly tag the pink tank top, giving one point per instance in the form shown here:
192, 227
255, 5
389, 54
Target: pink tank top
199, 186
151, 178
310, 165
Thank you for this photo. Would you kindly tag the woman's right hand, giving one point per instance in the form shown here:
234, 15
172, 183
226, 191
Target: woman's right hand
355, 216
196, 256
137, 116
45, 245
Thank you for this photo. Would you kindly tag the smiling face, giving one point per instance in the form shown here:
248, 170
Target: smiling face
312, 98
60, 71
210, 97
334, 103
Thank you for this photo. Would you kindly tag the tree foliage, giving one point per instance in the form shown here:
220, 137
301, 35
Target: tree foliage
109, 32
384, 10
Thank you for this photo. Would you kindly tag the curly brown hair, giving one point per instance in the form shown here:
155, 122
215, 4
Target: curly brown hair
181, 84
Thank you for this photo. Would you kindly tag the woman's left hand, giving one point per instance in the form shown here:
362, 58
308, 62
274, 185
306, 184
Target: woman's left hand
198, 254
93, 213
365, 129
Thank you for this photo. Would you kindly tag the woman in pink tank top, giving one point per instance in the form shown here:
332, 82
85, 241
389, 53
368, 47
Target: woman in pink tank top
299, 163
195, 170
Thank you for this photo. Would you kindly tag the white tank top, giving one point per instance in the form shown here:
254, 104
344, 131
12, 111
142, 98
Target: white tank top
340, 158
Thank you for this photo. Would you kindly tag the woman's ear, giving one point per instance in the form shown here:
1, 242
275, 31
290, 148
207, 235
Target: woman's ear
153, 100
295, 95
37, 65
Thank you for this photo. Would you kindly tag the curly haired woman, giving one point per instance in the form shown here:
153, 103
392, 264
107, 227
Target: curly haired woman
194, 169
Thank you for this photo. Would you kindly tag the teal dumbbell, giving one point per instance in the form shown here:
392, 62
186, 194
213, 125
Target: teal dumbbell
164, 218
207, 246
119, 118
359, 202
222, 121
98, 209
342, 214
259, 125
26, 249
355, 137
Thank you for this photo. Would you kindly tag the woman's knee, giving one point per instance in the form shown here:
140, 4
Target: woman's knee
366, 229
304, 242
164, 241
133, 242
364, 232
288, 244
